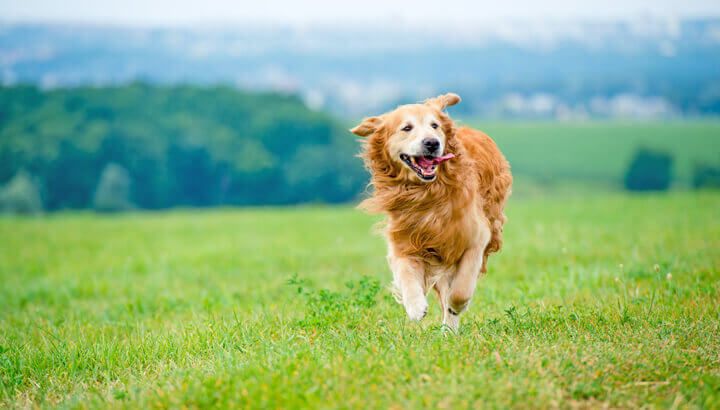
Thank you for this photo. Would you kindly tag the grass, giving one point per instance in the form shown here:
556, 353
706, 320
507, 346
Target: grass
594, 301
601, 151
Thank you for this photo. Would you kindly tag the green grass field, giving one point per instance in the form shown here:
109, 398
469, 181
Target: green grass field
594, 301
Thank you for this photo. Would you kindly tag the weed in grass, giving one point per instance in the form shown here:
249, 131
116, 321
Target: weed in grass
326, 308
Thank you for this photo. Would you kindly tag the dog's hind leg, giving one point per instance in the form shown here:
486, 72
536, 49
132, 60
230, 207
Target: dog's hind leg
408, 279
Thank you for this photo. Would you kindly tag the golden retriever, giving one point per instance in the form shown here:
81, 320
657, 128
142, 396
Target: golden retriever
443, 190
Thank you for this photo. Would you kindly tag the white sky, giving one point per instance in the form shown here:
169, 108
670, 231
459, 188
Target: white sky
180, 12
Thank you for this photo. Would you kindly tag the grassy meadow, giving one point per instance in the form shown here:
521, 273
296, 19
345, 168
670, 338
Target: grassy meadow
595, 301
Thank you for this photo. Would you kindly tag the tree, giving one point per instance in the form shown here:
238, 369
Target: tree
649, 171
113, 190
706, 176
21, 195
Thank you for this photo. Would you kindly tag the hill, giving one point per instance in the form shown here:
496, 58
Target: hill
598, 153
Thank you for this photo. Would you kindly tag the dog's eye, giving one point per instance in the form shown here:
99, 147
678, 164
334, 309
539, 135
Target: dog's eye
434, 125
407, 128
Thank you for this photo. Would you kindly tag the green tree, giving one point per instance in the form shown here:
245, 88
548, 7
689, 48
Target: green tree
649, 171
113, 191
21, 195
706, 176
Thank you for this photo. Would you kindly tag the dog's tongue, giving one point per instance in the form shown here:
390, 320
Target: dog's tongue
426, 162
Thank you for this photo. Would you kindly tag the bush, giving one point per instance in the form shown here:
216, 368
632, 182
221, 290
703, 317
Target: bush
113, 190
21, 195
649, 171
706, 176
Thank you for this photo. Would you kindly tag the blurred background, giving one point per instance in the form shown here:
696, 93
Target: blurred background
129, 105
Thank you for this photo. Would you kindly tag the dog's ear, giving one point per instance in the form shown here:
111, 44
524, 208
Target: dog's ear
443, 101
367, 126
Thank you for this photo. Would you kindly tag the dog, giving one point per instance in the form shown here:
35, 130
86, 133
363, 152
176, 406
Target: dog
443, 190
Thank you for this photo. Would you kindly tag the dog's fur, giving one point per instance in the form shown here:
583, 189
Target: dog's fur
441, 232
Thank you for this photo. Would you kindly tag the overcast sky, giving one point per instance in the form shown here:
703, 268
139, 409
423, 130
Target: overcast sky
181, 12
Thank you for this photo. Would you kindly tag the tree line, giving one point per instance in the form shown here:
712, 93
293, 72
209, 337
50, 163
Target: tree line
151, 147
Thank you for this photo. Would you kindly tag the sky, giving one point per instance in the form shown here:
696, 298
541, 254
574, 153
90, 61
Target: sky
417, 12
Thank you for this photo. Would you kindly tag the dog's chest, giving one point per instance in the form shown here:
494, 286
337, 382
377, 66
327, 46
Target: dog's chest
440, 236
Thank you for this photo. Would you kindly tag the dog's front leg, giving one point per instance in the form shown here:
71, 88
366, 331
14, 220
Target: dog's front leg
462, 286
442, 287
409, 281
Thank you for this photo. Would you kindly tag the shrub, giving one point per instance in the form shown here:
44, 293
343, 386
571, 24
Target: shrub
113, 190
706, 176
21, 195
649, 171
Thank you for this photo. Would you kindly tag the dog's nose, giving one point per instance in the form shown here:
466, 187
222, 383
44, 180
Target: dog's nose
431, 144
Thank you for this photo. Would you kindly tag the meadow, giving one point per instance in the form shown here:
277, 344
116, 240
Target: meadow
595, 301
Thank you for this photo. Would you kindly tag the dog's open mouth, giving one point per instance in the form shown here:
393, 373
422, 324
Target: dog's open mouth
425, 166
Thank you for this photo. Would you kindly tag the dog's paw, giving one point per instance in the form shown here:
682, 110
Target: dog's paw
451, 321
416, 309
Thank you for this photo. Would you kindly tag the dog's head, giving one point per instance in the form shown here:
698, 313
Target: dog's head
411, 141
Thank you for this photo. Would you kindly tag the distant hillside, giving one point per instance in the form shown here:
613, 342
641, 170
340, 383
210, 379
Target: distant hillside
174, 146
598, 154
639, 68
